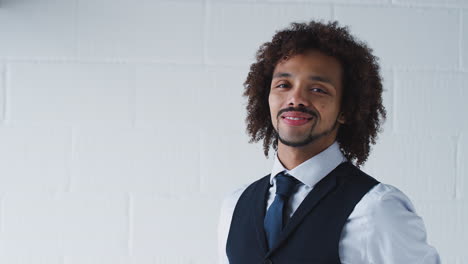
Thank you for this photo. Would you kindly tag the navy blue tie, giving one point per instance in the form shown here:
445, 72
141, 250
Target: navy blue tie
275, 217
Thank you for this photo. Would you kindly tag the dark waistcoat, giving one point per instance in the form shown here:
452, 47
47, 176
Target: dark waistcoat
312, 234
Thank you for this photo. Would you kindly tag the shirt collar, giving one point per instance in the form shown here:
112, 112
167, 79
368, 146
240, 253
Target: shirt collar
311, 171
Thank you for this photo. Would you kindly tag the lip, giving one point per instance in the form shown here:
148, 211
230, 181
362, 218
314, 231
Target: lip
296, 118
296, 115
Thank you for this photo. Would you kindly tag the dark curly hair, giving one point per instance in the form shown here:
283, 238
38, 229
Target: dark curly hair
361, 103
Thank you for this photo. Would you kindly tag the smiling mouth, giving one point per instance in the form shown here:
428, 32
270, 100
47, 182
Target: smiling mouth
296, 118
295, 121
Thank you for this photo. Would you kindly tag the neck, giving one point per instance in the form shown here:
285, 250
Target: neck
292, 157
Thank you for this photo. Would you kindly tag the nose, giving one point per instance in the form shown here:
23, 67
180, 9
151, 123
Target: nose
297, 97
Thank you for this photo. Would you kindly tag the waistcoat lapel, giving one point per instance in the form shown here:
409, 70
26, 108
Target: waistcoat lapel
259, 213
321, 189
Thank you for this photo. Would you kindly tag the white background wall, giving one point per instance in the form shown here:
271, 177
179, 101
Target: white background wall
121, 120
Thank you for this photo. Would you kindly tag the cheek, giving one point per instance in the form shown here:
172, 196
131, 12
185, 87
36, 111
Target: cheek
329, 115
321, 107
327, 108
275, 99
273, 104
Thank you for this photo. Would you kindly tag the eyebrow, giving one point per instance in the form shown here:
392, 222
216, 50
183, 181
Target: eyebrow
312, 77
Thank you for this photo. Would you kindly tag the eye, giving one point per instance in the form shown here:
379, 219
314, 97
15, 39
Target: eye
318, 90
282, 85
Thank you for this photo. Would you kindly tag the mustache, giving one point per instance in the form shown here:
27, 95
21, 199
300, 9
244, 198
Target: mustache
303, 110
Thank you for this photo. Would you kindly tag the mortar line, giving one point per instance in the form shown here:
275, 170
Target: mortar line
71, 165
460, 39
2, 212
457, 194
6, 93
133, 97
206, 24
130, 223
201, 177
394, 93
332, 12
75, 28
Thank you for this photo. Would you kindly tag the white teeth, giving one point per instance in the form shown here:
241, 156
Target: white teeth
294, 118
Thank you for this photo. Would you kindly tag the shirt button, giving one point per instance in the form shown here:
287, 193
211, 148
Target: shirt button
267, 261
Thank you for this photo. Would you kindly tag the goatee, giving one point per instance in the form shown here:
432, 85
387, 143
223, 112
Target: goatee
311, 138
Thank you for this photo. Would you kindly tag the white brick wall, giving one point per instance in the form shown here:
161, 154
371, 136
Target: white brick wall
38, 29
34, 158
406, 37
93, 169
235, 27
147, 30
70, 93
464, 39
2, 90
440, 94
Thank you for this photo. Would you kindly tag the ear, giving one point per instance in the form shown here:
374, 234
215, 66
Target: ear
341, 118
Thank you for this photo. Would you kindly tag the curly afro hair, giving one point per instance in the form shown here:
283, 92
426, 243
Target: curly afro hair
361, 103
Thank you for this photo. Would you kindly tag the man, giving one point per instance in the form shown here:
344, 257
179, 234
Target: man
314, 95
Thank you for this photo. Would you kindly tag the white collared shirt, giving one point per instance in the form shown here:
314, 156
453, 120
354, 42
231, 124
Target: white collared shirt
383, 227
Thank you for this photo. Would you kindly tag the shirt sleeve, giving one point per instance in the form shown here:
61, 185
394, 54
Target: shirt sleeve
395, 233
224, 223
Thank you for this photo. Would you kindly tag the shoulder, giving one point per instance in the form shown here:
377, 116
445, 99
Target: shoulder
225, 217
384, 205
347, 172
385, 199
394, 230
231, 199
224, 221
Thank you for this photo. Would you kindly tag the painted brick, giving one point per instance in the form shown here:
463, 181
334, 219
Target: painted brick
107, 260
95, 224
44, 224
34, 158
3, 77
464, 41
432, 3
428, 102
222, 103
224, 157
462, 167
406, 37
160, 30
183, 260
423, 167
445, 227
97, 94
375, 2
31, 260
23, 236
163, 159
174, 228
462, 237
387, 97
37, 28
166, 95
231, 40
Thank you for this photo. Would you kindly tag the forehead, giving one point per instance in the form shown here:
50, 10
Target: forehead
311, 62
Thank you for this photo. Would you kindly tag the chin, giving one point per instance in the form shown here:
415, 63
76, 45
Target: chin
295, 142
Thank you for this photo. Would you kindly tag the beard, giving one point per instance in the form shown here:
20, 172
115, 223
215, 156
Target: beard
311, 137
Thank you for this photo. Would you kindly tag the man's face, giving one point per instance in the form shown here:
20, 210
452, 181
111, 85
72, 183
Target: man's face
305, 96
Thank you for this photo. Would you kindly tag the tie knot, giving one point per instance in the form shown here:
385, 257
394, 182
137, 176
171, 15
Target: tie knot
285, 185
